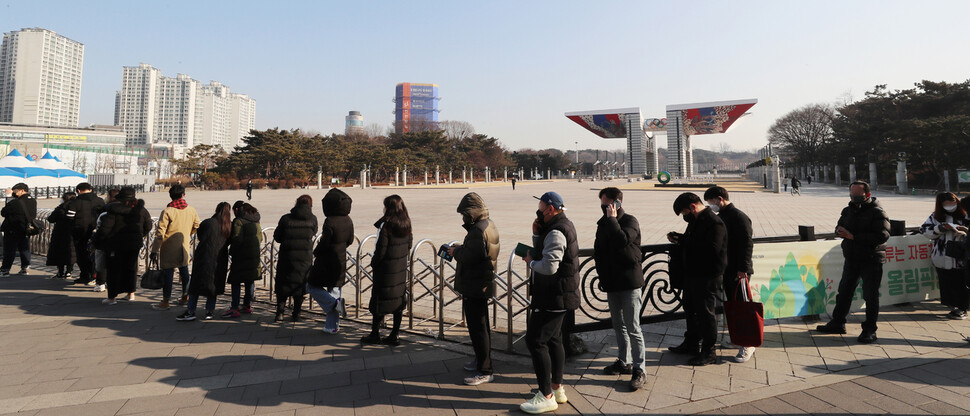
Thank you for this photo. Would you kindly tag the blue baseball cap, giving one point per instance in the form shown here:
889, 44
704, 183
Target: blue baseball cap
552, 198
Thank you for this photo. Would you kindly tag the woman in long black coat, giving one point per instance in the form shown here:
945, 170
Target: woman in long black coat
122, 232
245, 245
60, 252
390, 267
329, 271
295, 234
210, 262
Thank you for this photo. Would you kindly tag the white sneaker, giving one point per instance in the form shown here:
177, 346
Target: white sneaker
479, 379
539, 404
560, 394
109, 301
100, 288
744, 354
330, 331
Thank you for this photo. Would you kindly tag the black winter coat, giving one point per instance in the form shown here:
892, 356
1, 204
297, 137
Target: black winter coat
85, 210
617, 253
330, 257
61, 252
245, 244
123, 228
390, 268
740, 244
17, 213
211, 260
477, 257
704, 248
869, 226
295, 234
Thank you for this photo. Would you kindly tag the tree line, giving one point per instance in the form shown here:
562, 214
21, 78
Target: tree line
930, 123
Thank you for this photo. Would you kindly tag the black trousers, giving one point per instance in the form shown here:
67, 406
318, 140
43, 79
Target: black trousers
84, 263
953, 288
377, 320
870, 272
122, 272
480, 332
699, 298
297, 304
14, 243
544, 338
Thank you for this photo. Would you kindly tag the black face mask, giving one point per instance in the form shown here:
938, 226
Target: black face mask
539, 215
688, 218
857, 199
603, 207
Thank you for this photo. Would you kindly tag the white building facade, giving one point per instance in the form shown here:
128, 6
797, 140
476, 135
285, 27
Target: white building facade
40, 78
180, 112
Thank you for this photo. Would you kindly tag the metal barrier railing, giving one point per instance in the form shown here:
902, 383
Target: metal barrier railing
434, 303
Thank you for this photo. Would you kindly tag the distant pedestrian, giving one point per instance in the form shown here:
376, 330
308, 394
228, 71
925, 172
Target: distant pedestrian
295, 233
809, 179
703, 250
390, 267
210, 262
249, 190
60, 251
170, 249
785, 182
739, 250
329, 271
83, 212
121, 235
476, 263
944, 225
18, 213
617, 256
555, 292
864, 229
513, 183
245, 245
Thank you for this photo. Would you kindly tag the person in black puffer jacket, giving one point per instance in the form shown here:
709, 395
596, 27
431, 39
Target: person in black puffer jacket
121, 235
17, 213
84, 212
245, 244
60, 251
390, 267
210, 262
329, 271
476, 262
295, 234
864, 228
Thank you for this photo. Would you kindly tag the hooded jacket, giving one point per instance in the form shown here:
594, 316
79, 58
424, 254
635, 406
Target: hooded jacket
295, 234
330, 256
245, 244
61, 251
869, 226
617, 252
934, 230
172, 236
123, 228
477, 257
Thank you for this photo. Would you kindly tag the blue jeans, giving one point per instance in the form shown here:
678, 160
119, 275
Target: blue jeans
250, 292
328, 302
169, 275
625, 314
210, 303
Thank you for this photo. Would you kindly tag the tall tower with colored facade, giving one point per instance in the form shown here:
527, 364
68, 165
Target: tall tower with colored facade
415, 107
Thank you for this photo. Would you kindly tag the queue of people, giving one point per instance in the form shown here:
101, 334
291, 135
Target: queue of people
711, 260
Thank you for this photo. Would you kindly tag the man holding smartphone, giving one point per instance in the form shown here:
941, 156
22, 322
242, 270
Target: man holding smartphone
618, 265
476, 261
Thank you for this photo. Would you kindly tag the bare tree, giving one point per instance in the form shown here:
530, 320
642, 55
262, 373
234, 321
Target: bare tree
802, 134
374, 130
457, 129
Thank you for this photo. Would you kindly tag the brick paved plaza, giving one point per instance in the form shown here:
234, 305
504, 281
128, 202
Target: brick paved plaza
64, 353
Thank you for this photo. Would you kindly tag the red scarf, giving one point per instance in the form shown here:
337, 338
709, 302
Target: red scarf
178, 204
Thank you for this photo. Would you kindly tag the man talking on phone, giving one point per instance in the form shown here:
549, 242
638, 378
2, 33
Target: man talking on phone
617, 254
477, 260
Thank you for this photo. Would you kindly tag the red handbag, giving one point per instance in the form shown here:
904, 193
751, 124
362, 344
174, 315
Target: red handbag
745, 319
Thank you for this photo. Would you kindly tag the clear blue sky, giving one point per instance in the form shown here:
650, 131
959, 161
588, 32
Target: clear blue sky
512, 68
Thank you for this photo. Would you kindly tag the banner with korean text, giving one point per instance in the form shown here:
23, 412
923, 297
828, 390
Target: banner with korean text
802, 278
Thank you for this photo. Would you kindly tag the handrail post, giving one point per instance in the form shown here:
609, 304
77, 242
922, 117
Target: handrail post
441, 295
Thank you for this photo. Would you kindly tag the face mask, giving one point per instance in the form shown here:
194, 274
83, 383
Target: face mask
540, 216
857, 199
603, 207
714, 208
688, 218
949, 208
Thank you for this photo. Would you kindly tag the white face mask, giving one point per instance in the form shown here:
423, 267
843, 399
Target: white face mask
714, 208
949, 208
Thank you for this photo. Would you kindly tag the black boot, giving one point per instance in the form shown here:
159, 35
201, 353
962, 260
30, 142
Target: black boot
297, 307
706, 357
687, 347
280, 308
